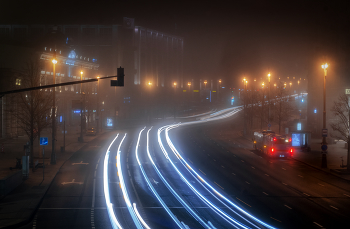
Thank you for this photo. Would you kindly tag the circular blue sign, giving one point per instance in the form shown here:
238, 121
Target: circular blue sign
324, 147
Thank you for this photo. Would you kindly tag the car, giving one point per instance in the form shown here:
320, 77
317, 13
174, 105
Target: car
91, 131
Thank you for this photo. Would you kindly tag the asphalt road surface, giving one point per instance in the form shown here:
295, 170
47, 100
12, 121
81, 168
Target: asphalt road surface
282, 193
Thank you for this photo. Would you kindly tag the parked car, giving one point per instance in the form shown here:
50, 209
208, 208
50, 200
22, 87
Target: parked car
91, 131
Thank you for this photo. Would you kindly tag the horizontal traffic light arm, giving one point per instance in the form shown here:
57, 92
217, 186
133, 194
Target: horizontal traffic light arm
53, 85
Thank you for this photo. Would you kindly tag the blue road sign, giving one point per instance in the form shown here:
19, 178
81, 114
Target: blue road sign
324, 147
44, 141
269, 125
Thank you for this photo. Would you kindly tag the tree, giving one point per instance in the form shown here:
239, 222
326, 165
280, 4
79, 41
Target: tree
340, 127
33, 107
283, 109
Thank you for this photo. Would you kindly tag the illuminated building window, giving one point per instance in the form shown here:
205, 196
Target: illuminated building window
18, 82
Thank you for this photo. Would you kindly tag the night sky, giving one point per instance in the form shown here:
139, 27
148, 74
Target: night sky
223, 39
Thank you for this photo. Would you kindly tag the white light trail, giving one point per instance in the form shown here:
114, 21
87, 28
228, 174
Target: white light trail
193, 213
221, 213
151, 186
192, 171
111, 214
140, 218
124, 190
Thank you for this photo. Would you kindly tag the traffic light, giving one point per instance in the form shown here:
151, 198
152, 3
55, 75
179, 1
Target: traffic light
120, 78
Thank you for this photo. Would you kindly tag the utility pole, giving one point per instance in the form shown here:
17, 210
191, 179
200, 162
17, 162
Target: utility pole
53, 115
81, 139
268, 118
98, 104
324, 135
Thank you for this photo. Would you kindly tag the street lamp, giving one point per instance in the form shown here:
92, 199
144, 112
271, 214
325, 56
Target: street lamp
53, 114
174, 84
205, 84
268, 115
81, 109
98, 104
149, 83
324, 136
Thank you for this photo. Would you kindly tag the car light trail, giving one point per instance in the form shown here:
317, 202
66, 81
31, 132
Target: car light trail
140, 218
151, 186
109, 205
172, 190
189, 168
124, 190
205, 200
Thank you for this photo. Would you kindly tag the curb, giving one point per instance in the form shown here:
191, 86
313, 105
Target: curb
30, 218
325, 171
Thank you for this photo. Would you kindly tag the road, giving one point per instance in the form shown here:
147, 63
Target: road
225, 184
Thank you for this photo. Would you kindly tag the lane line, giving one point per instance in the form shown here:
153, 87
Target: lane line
318, 225
287, 206
276, 219
333, 207
243, 201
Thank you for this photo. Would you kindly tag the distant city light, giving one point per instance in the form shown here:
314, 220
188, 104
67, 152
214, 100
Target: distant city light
315, 111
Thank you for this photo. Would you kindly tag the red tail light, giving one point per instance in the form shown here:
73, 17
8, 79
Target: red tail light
272, 149
290, 139
274, 139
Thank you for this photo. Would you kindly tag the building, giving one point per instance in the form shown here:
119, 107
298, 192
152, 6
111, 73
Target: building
146, 54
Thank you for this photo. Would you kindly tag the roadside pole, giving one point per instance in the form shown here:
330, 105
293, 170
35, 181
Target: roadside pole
43, 162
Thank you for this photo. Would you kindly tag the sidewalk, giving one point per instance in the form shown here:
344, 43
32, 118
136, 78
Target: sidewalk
334, 154
18, 207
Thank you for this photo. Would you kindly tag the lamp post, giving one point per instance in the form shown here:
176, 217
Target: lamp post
205, 84
81, 139
324, 136
268, 115
98, 105
175, 100
53, 114
245, 82
262, 105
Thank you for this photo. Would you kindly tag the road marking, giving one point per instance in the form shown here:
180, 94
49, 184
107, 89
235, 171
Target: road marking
318, 224
253, 167
72, 182
267, 175
127, 166
284, 169
95, 174
93, 194
346, 195
222, 166
214, 160
218, 185
190, 161
242, 161
276, 219
321, 184
129, 173
96, 165
300, 176
80, 163
127, 159
156, 182
333, 207
284, 183
243, 201
208, 155
247, 182
234, 155
202, 172
306, 194
265, 193
287, 206
234, 174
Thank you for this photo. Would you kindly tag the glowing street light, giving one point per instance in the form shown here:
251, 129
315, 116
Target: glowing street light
324, 139
149, 83
175, 84
53, 116
205, 83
